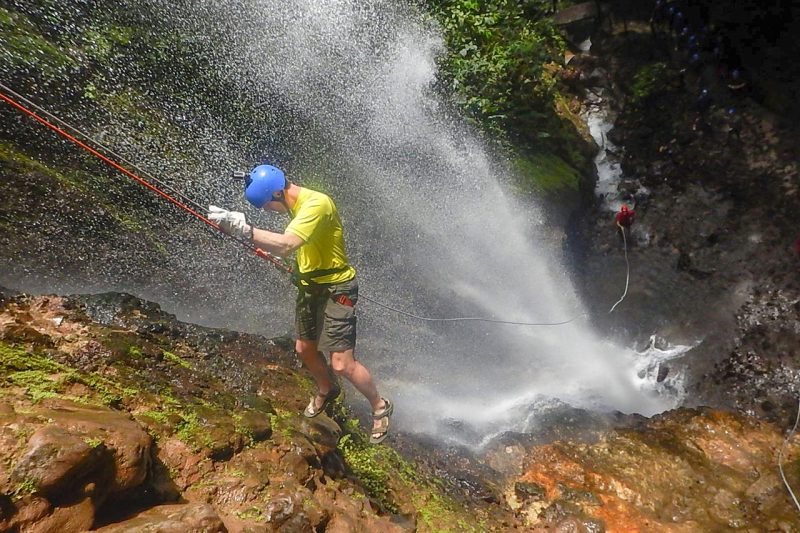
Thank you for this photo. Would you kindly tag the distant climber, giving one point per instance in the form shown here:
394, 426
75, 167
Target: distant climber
736, 83
625, 217
325, 316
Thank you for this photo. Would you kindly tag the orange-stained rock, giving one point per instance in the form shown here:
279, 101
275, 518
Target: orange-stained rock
182, 518
683, 471
57, 462
78, 516
121, 436
73, 458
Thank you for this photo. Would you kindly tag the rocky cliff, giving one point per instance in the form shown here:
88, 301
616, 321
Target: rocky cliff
116, 417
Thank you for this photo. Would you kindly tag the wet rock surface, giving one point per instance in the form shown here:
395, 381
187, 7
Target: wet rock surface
113, 415
687, 470
717, 194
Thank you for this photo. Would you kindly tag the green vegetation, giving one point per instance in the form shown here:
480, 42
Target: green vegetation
9, 154
648, 82
23, 46
281, 421
546, 172
504, 61
502, 56
17, 359
100, 43
386, 475
93, 442
368, 463
241, 428
28, 486
42, 378
251, 513
161, 417
190, 431
37, 383
176, 359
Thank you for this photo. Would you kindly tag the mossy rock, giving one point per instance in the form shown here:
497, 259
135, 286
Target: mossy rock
26, 48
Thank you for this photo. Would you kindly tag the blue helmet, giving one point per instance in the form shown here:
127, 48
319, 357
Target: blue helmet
263, 181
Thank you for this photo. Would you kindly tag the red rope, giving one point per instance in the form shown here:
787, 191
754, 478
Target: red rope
258, 251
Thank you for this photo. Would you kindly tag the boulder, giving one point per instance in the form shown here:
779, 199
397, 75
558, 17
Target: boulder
179, 518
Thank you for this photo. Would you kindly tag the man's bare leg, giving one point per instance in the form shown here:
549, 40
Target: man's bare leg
344, 364
315, 363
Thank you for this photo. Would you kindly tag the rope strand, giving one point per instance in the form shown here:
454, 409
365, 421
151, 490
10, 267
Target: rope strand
194, 212
780, 458
107, 150
627, 270
468, 319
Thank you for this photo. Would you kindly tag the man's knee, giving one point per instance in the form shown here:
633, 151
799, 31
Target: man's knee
342, 364
305, 348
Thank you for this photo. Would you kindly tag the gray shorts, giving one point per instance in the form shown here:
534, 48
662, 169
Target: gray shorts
328, 315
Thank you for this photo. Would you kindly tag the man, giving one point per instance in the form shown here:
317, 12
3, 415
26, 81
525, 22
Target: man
327, 288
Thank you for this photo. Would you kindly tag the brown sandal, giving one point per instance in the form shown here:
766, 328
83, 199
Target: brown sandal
379, 434
311, 409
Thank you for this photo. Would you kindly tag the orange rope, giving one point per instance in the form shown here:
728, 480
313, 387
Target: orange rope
258, 251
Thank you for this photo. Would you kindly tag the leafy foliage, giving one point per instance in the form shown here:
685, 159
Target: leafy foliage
502, 56
504, 63
648, 81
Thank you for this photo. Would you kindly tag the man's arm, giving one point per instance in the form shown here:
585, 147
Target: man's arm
280, 244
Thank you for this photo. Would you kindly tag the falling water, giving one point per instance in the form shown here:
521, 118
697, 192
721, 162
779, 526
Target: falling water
347, 102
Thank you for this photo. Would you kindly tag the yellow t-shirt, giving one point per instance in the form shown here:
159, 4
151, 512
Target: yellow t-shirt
316, 221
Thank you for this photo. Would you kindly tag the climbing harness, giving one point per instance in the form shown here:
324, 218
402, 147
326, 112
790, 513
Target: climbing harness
183, 202
780, 457
627, 269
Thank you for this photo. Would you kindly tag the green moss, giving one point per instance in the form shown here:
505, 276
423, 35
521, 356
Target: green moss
135, 352
436, 513
28, 486
251, 513
547, 173
234, 472
93, 442
176, 359
9, 154
127, 222
649, 81
161, 416
38, 384
241, 428
17, 359
101, 43
43, 378
370, 466
109, 392
190, 431
23, 46
280, 421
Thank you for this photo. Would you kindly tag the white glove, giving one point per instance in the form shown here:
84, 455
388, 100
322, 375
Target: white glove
231, 222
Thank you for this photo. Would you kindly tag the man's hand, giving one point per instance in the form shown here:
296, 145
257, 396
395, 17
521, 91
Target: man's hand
231, 222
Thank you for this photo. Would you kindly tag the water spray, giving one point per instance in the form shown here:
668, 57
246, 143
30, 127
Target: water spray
183, 202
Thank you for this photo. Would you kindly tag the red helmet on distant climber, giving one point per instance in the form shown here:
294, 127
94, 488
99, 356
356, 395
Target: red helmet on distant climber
625, 216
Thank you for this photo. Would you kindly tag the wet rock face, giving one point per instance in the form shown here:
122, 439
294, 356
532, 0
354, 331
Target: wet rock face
76, 459
199, 517
711, 258
687, 470
110, 423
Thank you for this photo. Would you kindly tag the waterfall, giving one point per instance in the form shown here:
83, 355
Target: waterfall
347, 101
